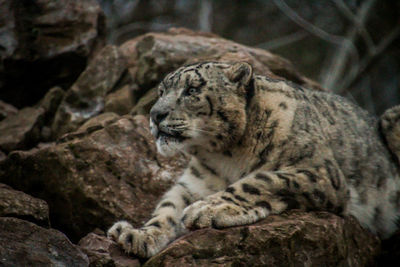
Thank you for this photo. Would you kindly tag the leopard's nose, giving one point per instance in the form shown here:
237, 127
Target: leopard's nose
158, 116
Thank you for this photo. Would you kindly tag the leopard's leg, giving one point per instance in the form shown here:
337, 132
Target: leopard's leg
270, 192
165, 226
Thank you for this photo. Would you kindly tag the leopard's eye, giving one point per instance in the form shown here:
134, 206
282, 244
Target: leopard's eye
192, 91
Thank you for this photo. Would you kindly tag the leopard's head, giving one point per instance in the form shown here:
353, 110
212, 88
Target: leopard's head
201, 106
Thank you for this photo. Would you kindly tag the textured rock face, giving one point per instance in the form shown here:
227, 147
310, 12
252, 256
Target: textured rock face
46, 42
26, 244
153, 55
96, 177
18, 204
85, 99
6, 109
292, 239
104, 252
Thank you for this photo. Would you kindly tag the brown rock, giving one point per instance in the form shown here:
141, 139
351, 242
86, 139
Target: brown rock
85, 98
104, 252
95, 179
20, 205
26, 244
6, 109
22, 130
120, 101
153, 55
145, 103
292, 239
47, 43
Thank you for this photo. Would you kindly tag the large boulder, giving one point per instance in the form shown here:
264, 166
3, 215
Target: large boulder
291, 239
104, 252
153, 55
86, 98
26, 244
17, 204
294, 238
30, 125
95, 176
45, 43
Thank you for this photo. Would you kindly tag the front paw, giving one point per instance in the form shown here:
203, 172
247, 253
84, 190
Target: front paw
141, 242
214, 213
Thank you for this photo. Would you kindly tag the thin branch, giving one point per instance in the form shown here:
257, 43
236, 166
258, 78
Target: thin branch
344, 43
334, 74
360, 24
366, 61
283, 41
205, 18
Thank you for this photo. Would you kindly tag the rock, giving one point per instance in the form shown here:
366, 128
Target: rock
104, 252
51, 101
47, 43
120, 101
22, 130
145, 103
98, 122
2, 155
94, 179
20, 205
151, 56
26, 244
85, 98
291, 239
6, 109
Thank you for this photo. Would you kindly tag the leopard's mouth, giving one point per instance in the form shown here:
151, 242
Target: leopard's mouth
172, 135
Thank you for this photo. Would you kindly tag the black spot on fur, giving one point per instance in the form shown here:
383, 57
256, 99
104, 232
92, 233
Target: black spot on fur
240, 198
167, 204
263, 177
155, 224
311, 176
219, 137
209, 168
283, 105
230, 200
196, 172
263, 204
222, 116
296, 184
129, 239
333, 174
230, 189
250, 189
210, 105
283, 177
171, 221
186, 200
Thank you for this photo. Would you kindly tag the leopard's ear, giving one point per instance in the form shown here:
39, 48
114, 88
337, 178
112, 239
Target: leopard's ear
241, 72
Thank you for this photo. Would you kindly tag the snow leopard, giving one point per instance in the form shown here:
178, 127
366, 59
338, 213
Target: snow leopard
260, 145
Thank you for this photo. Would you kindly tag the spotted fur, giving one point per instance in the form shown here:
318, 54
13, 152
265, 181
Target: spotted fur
261, 146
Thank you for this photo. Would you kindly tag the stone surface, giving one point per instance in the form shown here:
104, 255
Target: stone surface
94, 179
104, 252
22, 130
6, 109
20, 205
145, 103
47, 43
153, 55
292, 239
85, 98
120, 101
26, 244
